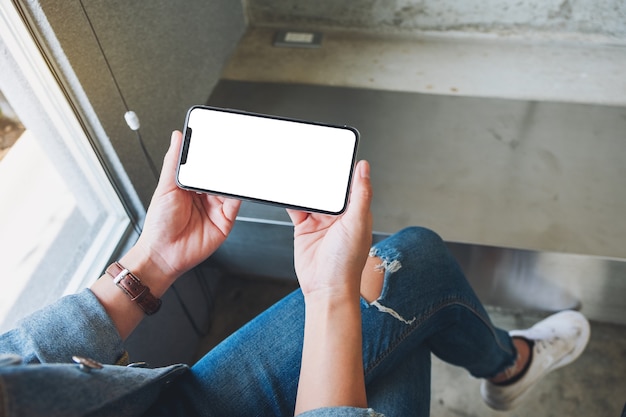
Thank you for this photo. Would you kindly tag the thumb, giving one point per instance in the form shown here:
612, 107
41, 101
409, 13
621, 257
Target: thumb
170, 161
361, 194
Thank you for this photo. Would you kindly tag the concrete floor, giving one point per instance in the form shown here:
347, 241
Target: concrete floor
594, 385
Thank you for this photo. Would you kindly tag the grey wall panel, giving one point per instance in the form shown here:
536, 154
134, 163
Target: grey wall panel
541, 176
165, 57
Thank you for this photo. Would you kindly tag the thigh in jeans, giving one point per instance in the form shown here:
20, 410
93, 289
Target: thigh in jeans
256, 370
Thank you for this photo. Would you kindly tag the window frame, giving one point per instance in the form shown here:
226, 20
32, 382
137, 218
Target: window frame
48, 96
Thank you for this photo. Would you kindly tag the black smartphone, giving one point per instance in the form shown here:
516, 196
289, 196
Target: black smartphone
268, 159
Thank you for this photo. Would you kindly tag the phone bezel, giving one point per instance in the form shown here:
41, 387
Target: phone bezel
184, 149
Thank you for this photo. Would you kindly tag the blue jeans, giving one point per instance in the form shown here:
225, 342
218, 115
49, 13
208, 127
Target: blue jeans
426, 305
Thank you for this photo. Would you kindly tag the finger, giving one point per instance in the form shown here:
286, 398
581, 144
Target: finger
297, 216
230, 208
361, 194
170, 161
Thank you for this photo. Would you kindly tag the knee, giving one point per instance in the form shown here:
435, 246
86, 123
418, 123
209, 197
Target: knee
422, 239
419, 233
413, 248
412, 245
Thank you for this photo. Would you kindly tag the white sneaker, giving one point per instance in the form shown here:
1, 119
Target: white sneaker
557, 341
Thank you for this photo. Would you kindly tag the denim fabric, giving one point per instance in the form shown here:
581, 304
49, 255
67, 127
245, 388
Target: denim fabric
342, 412
74, 325
426, 306
63, 390
36, 378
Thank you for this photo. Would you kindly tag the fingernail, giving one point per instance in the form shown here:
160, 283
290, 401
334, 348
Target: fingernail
364, 169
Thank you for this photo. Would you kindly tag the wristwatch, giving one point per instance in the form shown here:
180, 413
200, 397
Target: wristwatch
133, 287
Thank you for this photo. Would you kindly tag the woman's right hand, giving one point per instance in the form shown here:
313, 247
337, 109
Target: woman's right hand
330, 251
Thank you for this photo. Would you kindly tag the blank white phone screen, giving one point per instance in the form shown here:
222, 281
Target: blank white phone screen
291, 163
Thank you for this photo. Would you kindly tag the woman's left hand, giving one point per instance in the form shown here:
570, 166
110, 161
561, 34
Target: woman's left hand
183, 228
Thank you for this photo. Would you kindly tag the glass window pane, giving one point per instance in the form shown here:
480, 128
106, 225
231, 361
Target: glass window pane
60, 218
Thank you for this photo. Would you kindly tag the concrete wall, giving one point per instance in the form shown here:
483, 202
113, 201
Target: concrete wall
165, 57
552, 17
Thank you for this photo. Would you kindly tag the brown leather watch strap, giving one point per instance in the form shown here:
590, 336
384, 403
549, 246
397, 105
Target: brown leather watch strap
132, 286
